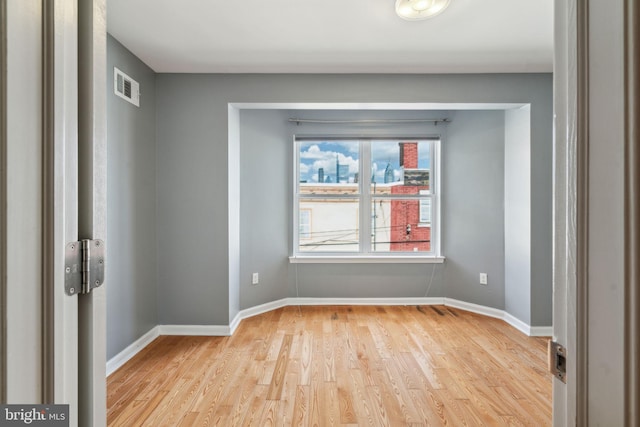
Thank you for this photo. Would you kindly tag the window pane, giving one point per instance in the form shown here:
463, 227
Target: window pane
397, 227
425, 211
333, 226
304, 224
328, 167
400, 167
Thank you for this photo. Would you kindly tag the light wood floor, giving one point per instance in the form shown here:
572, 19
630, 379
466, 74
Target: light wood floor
340, 365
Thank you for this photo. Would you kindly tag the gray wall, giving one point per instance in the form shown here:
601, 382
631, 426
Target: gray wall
517, 213
193, 195
131, 211
473, 207
265, 205
194, 237
266, 140
541, 217
472, 210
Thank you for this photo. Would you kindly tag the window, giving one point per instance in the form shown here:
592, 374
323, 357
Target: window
366, 196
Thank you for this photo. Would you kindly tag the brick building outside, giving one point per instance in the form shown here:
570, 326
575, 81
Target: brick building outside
408, 233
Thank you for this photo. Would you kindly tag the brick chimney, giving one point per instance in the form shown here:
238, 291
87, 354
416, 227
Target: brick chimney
409, 155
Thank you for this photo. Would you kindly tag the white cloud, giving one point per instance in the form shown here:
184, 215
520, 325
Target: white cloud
350, 146
326, 160
385, 151
313, 152
328, 163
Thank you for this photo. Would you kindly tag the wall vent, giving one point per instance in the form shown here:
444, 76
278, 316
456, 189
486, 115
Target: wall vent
125, 87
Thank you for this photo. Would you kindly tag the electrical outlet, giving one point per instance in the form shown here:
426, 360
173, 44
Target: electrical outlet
483, 278
255, 279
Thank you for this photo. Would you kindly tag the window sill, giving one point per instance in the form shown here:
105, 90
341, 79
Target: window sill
363, 259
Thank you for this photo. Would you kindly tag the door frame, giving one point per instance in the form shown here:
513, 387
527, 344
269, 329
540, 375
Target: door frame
3, 199
632, 213
575, 75
92, 198
569, 169
47, 34
60, 202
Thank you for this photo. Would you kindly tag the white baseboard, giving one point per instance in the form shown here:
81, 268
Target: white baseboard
284, 302
517, 323
196, 330
234, 324
541, 331
258, 309
125, 355
532, 331
365, 301
474, 308
221, 330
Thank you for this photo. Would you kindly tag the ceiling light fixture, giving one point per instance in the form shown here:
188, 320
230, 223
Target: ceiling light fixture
415, 10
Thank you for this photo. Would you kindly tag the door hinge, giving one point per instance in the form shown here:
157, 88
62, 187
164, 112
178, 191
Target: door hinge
84, 266
558, 361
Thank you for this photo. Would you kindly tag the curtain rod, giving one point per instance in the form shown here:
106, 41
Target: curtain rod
368, 121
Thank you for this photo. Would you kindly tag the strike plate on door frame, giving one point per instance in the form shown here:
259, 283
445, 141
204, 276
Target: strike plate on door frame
558, 361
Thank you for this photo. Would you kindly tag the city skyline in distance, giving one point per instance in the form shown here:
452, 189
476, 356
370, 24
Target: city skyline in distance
328, 154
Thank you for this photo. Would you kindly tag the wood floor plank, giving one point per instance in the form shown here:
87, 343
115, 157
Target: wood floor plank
286, 406
188, 419
396, 383
253, 414
331, 404
305, 358
316, 404
280, 370
386, 413
329, 359
300, 416
361, 403
340, 365
433, 412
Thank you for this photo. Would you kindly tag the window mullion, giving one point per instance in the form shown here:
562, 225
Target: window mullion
365, 196
296, 195
435, 196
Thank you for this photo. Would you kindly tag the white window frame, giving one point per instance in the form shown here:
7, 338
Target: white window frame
366, 254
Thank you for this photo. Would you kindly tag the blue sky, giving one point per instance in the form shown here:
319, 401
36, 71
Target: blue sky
322, 154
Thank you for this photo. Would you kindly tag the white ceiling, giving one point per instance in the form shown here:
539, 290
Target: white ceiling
334, 36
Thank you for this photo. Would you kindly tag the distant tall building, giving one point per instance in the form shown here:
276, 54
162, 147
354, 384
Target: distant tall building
388, 174
342, 172
320, 174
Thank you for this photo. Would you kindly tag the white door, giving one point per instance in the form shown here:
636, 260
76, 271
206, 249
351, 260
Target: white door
52, 191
